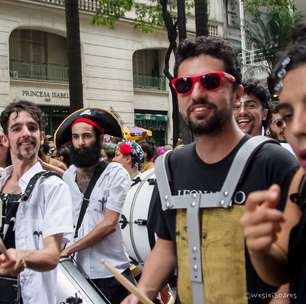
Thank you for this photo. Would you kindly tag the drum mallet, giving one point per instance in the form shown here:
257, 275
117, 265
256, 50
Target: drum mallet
3, 248
127, 284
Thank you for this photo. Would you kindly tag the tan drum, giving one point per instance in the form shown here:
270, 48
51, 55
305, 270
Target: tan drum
73, 285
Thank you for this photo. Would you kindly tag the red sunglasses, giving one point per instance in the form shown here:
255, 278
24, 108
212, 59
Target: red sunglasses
210, 81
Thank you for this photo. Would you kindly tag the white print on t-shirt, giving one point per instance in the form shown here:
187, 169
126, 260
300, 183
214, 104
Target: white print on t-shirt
239, 197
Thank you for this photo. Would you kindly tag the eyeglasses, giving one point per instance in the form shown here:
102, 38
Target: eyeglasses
210, 81
280, 123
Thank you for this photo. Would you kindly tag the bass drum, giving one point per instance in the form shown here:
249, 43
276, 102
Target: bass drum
138, 239
73, 285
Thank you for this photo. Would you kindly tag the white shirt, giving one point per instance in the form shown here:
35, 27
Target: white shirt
48, 211
109, 192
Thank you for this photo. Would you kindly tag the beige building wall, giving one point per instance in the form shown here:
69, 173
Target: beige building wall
107, 59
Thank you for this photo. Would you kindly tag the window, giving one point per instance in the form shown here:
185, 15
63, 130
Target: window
232, 13
38, 55
148, 69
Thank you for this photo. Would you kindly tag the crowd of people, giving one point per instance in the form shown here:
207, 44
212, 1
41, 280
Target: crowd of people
228, 210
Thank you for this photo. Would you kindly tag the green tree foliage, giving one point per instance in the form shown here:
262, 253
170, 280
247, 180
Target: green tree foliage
148, 18
270, 25
109, 11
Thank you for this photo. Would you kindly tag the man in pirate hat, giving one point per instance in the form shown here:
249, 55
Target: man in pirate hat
98, 193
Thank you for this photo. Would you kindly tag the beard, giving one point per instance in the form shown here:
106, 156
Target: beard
213, 123
29, 152
86, 157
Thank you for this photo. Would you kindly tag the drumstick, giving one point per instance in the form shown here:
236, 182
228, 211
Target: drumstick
127, 284
3, 248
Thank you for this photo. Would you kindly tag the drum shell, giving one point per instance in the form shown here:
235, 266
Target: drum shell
72, 281
136, 208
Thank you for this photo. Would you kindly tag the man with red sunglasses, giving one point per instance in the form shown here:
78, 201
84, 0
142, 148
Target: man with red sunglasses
201, 237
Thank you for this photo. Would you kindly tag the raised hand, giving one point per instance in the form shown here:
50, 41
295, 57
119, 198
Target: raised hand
261, 221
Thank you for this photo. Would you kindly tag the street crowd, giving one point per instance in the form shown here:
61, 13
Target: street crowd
227, 212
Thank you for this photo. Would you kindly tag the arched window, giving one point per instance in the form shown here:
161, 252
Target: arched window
38, 55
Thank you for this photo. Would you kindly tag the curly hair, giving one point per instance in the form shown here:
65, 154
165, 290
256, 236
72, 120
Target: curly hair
212, 46
253, 87
23, 106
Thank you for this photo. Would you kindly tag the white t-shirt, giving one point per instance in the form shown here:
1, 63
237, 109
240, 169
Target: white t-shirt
109, 192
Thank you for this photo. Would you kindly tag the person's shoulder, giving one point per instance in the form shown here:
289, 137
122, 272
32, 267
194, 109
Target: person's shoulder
182, 153
275, 158
115, 169
70, 172
274, 151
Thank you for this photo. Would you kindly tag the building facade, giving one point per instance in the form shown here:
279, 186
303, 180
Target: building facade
122, 68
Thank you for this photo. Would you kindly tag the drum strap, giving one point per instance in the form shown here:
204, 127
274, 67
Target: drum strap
97, 173
33, 181
190, 205
27, 193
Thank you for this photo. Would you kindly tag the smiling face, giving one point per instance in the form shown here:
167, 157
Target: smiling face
293, 110
250, 114
24, 137
206, 112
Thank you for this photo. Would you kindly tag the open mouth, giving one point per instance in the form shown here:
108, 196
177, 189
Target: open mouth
243, 122
27, 144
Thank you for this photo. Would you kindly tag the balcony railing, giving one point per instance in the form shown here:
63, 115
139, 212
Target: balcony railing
149, 82
38, 71
84, 5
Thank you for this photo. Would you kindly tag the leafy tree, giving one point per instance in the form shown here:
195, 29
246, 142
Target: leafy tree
270, 25
149, 16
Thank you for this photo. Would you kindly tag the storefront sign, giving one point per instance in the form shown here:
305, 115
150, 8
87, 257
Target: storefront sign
56, 96
45, 94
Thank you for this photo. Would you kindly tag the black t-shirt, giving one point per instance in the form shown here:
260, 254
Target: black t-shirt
271, 164
297, 252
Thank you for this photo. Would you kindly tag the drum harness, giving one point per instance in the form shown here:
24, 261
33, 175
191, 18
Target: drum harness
97, 173
193, 202
23, 197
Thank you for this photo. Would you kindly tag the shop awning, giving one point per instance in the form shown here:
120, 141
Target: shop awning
154, 122
153, 117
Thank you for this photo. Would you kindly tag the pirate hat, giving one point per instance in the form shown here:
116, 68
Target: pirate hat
104, 121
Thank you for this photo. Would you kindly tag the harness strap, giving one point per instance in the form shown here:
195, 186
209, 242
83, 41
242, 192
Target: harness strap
28, 191
97, 173
193, 202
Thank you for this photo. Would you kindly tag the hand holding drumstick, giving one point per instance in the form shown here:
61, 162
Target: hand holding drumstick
127, 284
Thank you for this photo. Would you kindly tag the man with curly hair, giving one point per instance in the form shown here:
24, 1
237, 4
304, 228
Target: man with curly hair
251, 110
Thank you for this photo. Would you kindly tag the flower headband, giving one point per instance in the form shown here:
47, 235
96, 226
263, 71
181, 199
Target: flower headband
130, 147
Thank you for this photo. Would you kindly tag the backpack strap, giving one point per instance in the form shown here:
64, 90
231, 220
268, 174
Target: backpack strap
97, 173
